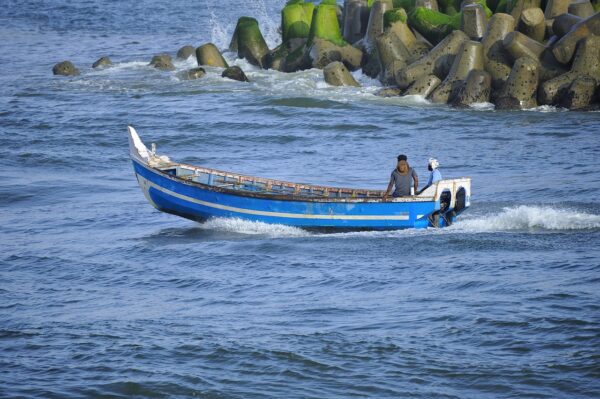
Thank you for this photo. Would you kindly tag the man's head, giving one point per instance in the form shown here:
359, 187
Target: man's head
402, 163
433, 164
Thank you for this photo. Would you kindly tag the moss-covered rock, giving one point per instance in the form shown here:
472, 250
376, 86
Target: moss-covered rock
235, 73
103, 62
395, 15
208, 54
325, 25
296, 19
162, 62
433, 25
65, 68
250, 42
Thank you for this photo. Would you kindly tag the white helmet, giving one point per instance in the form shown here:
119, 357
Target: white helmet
433, 163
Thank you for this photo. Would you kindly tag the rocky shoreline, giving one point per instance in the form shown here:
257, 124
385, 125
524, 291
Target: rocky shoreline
516, 54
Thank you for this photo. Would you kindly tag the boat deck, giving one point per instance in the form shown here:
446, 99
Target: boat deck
251, 184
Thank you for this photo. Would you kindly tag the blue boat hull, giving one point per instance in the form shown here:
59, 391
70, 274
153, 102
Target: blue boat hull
194, 202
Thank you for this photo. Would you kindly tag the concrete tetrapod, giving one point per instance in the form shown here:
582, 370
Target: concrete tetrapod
423, 86
496, 59
580, 93
476, 89
185, 52
586, 63
518, 45
209, 55
323, 52
392, 54
565, 48
581, 8
65, 68
519, 6
417, 48
251, 44
375, 26
564, 23
235, 73
102, 63
296, 19
355, 18
474, 21
325, 25
191, 74
162, 62
437, 62
336, 74
469, 57
520, 88
533, 24
554, 8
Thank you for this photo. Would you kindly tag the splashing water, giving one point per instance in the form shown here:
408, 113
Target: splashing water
531, 218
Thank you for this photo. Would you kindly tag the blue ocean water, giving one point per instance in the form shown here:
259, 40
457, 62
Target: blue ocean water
103, 296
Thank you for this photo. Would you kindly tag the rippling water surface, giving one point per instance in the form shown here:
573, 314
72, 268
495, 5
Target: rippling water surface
102, 296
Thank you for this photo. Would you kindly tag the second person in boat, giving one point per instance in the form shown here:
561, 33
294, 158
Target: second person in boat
404, 179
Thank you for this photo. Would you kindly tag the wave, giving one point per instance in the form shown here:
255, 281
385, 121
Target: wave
526, 217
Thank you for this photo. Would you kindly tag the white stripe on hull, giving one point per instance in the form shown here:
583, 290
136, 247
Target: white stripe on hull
146, 184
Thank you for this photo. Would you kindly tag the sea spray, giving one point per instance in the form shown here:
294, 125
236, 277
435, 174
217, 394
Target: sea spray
526, 217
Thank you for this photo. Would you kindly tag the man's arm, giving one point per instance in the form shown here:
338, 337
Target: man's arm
416, 180
389, 187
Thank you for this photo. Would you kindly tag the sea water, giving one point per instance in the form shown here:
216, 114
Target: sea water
103, 296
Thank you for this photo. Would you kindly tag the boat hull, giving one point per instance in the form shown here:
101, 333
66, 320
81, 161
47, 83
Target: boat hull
191, 201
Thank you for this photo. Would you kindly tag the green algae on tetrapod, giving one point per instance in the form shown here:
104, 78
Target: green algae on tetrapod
325, 24
296, 19
394, 15
433, 25
251, 44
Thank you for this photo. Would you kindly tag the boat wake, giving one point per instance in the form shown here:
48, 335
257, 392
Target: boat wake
532, 218
522, 218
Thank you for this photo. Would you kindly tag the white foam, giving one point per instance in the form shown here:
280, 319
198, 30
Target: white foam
253, 228
530, 218
482, 106
546, 108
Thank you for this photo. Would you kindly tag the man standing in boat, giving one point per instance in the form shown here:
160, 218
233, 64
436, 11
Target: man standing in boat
402, 177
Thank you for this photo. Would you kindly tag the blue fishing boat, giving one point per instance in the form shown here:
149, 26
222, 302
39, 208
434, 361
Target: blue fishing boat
199, 193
